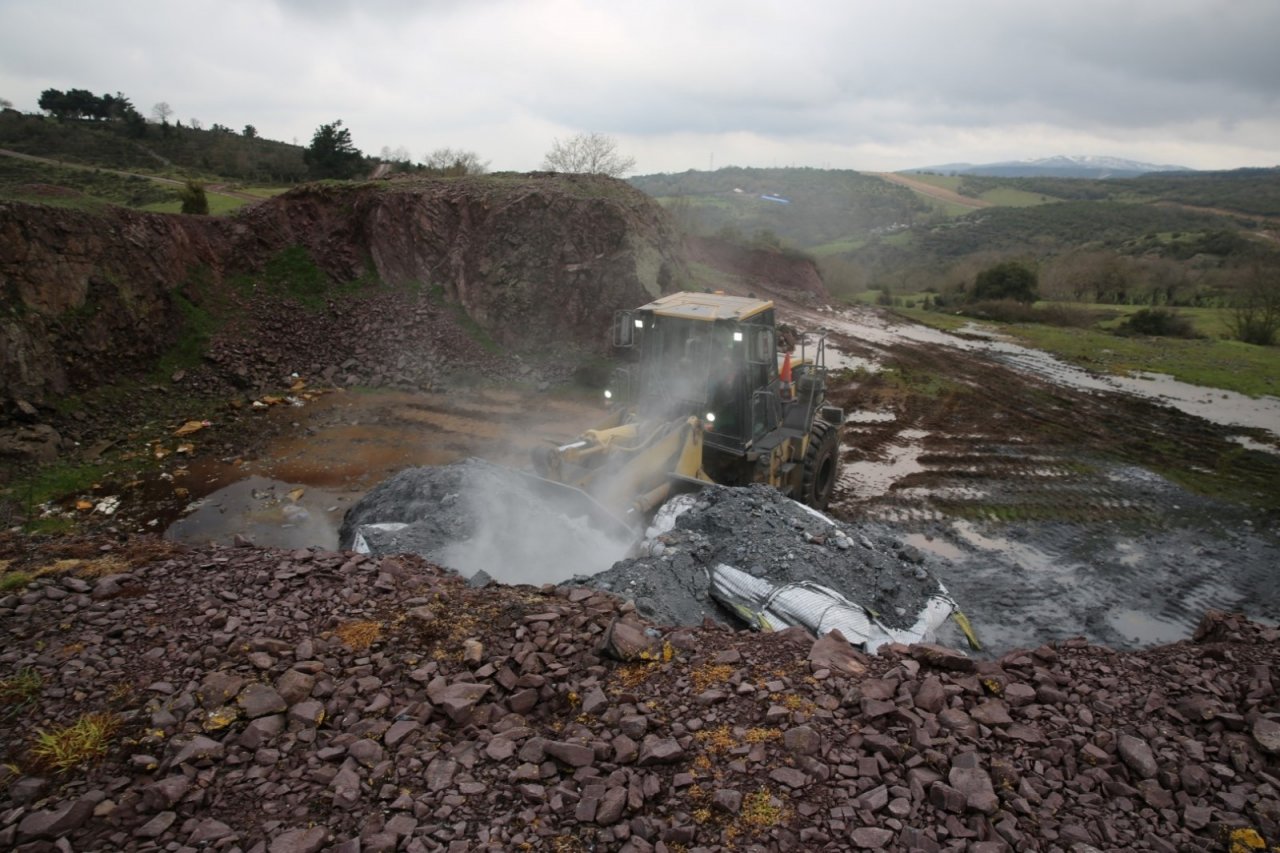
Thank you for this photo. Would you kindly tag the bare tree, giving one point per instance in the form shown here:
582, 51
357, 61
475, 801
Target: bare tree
161, 112
6, 104
591, 153
1255, 310
195, 123
455, 162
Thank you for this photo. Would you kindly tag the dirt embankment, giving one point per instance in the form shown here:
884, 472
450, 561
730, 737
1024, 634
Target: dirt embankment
529, 259
790, 276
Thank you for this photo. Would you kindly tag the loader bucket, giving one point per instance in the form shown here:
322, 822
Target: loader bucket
574, 502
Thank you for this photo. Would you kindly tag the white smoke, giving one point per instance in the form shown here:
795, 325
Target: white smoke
518, 536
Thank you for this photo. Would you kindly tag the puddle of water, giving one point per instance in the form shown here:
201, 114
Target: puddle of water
933, 545
1255, 445
1026, 557
263, 510
1226, 408
838, 360
1129, 554
873, 478
340, 446
867, 417
1146, 629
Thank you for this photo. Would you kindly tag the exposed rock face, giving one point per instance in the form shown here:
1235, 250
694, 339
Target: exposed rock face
531, 259
84, 295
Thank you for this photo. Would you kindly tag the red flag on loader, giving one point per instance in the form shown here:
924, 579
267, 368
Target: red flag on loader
785, 377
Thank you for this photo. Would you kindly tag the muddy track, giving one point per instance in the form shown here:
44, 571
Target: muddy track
1053, 511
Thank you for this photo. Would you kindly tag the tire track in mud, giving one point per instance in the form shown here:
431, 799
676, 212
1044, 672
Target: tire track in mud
1053, 512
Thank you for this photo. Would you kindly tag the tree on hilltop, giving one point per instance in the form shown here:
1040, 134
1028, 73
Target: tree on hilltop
589, 153
454, 163
161, 112
332, 154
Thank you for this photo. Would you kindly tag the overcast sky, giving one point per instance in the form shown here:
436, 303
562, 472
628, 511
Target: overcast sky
687, 84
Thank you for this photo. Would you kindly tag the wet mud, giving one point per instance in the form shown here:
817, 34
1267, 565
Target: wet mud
321, 458
1054, 503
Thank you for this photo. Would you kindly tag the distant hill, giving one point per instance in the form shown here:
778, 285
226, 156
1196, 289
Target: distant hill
1082, 166
804, 207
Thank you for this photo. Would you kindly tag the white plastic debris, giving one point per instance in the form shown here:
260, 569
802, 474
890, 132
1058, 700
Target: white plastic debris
361, 546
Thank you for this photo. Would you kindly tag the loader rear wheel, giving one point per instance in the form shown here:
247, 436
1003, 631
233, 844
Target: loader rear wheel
821, 465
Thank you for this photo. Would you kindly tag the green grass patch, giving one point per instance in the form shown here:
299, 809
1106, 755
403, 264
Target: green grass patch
1009, 197
838, 247
198, 327
950, 209
58, 480
946, 182
29, 180
219, 204
470, 326
1230, 365
928, 385
84, 741
54, 525
264, 192
943, 320
1210, 361
11, 582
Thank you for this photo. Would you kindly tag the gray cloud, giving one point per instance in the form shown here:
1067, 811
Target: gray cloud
861, 85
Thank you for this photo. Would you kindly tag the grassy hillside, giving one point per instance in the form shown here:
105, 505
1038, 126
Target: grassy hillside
172, 150
1248, 192
26, 180
821, 206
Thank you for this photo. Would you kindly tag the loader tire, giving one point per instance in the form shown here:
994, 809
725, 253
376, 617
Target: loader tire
821, 465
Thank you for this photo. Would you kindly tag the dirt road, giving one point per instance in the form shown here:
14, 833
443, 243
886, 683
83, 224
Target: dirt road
220, 189
940, 193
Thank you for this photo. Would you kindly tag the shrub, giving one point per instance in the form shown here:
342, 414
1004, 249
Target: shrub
1160, 322
1255, 314
1009, 311
1008, 280
194, 199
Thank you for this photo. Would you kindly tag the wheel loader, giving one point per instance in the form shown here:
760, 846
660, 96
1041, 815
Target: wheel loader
702, 398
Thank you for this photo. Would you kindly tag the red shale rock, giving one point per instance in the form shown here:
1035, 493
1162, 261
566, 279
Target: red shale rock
248, 723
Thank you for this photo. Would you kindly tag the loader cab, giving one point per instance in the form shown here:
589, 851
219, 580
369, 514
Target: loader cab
709, 355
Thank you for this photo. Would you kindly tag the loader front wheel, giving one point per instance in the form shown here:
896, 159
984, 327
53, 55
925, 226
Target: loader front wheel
821, 465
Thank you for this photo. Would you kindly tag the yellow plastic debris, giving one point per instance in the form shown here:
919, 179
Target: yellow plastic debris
190, 427
296, 495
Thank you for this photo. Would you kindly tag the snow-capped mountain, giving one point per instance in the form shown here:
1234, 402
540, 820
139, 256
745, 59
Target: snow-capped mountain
1079, 166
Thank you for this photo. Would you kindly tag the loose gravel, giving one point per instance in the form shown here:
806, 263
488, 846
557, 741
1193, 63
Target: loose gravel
275, 701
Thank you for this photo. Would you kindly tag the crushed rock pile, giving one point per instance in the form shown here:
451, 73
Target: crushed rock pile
481, 520
760, 531
277, 702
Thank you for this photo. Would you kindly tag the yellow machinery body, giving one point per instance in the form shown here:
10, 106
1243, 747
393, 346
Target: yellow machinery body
702, 400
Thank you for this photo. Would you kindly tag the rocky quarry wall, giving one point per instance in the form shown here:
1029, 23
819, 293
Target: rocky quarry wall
86, 297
